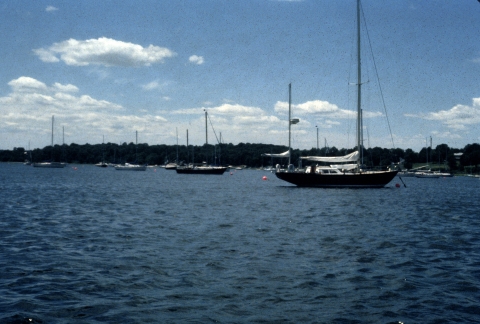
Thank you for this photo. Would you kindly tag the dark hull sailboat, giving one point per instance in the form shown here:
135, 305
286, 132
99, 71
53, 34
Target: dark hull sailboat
201, 170
373, 179
338, 175
51, 165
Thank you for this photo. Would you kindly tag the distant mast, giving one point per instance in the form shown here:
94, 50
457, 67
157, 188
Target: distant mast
359, 89
176, 131
206, 128
52, 129
289, 122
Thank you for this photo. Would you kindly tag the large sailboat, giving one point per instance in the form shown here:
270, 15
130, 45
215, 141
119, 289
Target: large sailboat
342, 172
50, 164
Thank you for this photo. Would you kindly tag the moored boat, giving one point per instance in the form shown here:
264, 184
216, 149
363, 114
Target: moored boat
350, 172
53, 165
129, 166
49, 164
203, 169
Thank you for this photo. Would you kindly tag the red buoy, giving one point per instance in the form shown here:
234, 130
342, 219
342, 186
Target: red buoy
264, 178
397, 185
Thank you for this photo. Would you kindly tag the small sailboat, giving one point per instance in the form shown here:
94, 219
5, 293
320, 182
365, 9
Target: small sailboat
129, 166
204, 168
173, 165
102, 164
345, 171
50, 164
29, 152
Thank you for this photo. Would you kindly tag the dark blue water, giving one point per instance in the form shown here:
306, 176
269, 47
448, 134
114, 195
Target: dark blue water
97, 245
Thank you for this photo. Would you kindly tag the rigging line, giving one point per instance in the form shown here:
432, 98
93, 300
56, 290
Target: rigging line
378, 78
213, 128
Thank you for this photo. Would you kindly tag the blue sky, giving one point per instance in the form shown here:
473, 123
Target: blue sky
110, 68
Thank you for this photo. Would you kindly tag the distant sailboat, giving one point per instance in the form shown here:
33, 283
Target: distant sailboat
202, 169
50, 164
173, 165
427, 174
349, 174
29, 152
132, 167
102, 164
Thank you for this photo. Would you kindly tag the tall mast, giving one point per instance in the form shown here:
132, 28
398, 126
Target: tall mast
431, 158
52, 129
359, 89
206, 128
426, 148
289, 121
176, 131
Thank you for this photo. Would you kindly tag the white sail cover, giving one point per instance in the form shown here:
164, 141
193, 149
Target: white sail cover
352, 157
279, 155
344, 166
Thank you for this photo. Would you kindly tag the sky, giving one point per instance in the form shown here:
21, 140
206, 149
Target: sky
109, 69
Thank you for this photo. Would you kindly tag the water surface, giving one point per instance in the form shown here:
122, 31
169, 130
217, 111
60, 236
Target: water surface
92, 245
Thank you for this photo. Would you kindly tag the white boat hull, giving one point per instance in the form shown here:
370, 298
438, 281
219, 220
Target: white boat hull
131, 167
51, 165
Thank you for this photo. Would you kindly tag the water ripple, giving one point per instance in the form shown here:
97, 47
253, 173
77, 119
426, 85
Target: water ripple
98, 246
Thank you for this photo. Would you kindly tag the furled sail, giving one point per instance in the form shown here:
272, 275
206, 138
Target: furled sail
279, 155
345, 167
352, 157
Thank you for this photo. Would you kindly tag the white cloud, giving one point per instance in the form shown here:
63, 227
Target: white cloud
50, 8
27, 84
65, 88
457, 117
151, 86
236, 110
224, 110
27, 110
46, 55
329, 124
196, 59
446, 135
103, 51
262, 120
322, 109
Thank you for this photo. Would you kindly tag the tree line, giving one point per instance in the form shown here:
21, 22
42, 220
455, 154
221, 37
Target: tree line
247, 154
